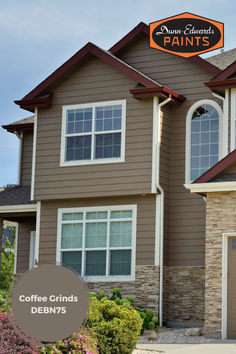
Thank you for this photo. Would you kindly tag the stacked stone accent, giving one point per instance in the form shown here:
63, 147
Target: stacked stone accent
220, 218
145, 288
184, 291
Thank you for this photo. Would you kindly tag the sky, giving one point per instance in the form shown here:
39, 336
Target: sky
38, 36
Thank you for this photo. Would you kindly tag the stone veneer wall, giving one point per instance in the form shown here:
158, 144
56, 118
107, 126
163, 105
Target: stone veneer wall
145, 288
184, 291
220, 218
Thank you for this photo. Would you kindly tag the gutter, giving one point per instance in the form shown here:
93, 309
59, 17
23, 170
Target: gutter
20, 137
224, 126
159, 198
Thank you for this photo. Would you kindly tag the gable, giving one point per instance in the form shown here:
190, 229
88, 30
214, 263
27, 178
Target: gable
172, 71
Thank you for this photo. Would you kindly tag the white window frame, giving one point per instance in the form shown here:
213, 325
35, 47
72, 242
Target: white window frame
188, 134
93, 161
32, 250
103, 278
233, 118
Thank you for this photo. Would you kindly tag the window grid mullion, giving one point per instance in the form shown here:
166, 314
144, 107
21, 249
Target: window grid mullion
93, 135
83, 248
108, 242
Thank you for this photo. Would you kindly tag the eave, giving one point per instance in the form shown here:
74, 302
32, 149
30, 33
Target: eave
221, 84
30, 103
161, 91
11, 128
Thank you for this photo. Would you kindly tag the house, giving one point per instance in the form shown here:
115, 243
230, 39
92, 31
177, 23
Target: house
117, 142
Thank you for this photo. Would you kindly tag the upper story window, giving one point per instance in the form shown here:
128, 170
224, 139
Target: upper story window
98, 242
203, 138
93, 133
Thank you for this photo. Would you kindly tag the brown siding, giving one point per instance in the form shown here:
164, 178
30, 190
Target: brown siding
185, 219
23, 247
145, 243
26, 162
95, 81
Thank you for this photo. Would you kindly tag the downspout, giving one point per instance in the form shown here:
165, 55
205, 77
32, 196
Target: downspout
161, 204
20, 137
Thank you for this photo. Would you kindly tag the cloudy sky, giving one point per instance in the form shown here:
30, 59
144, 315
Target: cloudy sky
38, 36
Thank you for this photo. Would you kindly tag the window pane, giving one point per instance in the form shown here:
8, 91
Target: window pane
72, 260
78, 148
108, 118
120, 263
107, 145
79, 121
72, 216
120, 233
95, 263
94, 215
71, 236
118, 214
96, 235
204, 139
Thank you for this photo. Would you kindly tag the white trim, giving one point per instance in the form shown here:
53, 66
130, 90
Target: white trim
20, 137
93, 133
34, 153
155, 155
37, 235
32, 249
16, 247
107, 278
211, 187
225, 124
18, 208
232, 118
188, 133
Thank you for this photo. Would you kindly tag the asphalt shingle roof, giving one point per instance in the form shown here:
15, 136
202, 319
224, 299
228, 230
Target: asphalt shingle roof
224, 59
16, 196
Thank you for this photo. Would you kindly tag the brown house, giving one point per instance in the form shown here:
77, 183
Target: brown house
105, 168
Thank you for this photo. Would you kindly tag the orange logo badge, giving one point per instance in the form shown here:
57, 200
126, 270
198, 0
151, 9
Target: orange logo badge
186, 35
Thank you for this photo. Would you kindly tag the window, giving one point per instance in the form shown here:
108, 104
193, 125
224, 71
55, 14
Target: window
98, 242
203, 141
93, 133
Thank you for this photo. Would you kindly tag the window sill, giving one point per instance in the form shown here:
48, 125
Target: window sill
91, 162
95, 279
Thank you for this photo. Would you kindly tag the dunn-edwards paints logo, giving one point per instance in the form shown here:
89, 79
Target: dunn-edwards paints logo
186, 35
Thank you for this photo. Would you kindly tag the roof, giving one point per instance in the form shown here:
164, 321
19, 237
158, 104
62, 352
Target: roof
22, 124
223, 59
225, 79
215, 170
16, 195
34, 98
143, 28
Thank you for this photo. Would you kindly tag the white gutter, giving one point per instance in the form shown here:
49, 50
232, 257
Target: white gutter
20, 137
224, 126
159, 199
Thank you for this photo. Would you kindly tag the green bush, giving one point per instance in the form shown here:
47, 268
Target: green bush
117, 327
5, 300
149, 320
83, 341
7, 266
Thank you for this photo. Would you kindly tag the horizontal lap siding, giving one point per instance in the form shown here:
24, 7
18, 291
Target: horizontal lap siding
145, 243
23, 246
185, 219
26, 163
94, 81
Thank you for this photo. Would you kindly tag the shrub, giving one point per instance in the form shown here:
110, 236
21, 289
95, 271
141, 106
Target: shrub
149, 320
7, 266
83, 342
11, 341
117, 326
5, 300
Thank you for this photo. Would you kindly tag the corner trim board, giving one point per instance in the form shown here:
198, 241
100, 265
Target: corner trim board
15, 248
34, 153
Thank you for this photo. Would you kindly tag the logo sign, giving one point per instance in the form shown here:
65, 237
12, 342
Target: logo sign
49, 303
186, 35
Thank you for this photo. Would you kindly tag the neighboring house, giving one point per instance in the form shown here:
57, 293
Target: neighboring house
105, 169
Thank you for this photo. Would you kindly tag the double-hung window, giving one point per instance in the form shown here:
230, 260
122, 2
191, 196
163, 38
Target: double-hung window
98, 242
93, 133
